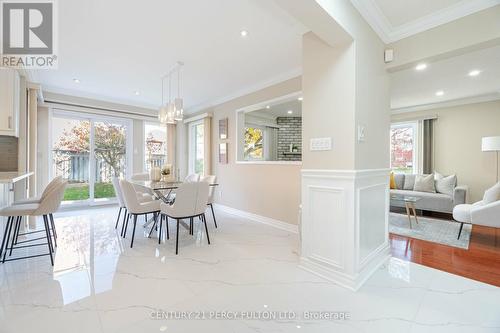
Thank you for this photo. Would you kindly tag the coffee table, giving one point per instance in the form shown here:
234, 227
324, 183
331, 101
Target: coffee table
409, 203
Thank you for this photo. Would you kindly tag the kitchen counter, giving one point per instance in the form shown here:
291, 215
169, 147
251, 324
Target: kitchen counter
13, 177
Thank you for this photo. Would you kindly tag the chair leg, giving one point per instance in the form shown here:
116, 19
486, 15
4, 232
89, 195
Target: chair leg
133, 231
54, 232
7, 239
125, 214
126, 226
204, 218
177, 239
460, 231
159, 231
4, 238
155, 219
166, 225
213, 214
16, 231
49, 241
191, 231
118, 218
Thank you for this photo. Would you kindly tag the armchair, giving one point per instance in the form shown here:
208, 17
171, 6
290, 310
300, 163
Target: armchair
478, 213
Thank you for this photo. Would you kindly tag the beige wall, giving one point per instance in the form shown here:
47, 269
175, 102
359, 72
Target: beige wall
458, 134
269, 190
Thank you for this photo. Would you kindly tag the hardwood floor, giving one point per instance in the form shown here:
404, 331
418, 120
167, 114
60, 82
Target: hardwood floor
480, 262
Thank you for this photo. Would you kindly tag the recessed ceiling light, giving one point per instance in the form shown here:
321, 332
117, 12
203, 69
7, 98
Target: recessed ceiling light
474, 72
439, 93
298, 326
267, 106
243, 33
289, 112
76, 80
137, 93
421, 67
300, 98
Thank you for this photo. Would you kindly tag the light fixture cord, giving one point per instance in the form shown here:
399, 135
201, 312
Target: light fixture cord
169, 88
162, 90
179, 82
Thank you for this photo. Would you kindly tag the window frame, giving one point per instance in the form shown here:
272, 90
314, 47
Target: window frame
144, 153
192, 146
414, 124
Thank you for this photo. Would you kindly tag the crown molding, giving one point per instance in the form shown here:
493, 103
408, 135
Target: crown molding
390, 34
494, 96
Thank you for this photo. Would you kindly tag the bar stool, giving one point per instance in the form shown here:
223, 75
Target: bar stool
48, 205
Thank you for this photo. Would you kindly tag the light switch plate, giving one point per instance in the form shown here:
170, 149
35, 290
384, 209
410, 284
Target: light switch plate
320, 144
361, 133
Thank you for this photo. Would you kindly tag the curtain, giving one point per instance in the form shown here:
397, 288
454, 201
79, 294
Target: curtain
171, 135
207, 145
428, 146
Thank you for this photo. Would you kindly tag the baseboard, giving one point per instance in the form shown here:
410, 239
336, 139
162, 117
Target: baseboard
259, 218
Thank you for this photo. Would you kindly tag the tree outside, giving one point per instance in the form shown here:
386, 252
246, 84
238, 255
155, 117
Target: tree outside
71, 154
402, 148
253, 149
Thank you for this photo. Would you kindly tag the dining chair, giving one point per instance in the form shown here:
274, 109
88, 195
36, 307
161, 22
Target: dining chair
142, 176
190, 202
211, 179
192, 178
47, 206
37, 199
135, 207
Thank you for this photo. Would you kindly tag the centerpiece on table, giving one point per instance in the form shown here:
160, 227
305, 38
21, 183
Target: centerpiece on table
166, 173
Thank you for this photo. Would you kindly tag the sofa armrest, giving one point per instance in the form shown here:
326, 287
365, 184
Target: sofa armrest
460, 195
487, 215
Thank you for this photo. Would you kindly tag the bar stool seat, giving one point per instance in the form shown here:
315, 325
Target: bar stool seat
19, 210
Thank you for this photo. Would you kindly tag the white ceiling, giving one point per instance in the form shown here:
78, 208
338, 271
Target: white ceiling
281, 109
117, 47
412, 88
397, 19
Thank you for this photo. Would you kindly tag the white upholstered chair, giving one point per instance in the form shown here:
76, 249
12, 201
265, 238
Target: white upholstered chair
211, 179
192, 178
136, 207
48, 205
485, 212
53, 183
191, 201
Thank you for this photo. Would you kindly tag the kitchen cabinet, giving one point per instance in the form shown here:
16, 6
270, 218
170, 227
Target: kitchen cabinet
9, 102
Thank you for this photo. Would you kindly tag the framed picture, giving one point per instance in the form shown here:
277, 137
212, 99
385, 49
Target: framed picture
223, 129
223, 153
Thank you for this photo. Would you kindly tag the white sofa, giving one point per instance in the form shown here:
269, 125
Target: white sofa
484, 212
429, 201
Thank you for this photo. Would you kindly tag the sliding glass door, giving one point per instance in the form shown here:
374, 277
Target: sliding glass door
89, 152
197, 147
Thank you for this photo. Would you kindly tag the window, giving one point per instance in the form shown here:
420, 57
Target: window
155, 145
88, 151
253, 149
197, 147
404, 145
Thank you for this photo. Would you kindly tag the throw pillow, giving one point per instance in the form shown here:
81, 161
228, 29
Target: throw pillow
392, 182
424, 183
445, 185
409, 182
492, 194
399, 178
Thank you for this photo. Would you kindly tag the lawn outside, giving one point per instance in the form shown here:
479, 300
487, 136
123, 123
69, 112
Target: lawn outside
80, 191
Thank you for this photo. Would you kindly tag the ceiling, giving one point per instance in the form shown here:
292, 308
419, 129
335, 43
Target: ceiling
281, 109
412, 88
115, 48
397, 19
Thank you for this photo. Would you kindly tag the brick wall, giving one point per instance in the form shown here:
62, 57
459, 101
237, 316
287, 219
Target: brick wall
8, 153
290, 131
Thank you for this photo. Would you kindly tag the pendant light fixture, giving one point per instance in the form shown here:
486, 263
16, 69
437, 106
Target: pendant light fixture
172, 111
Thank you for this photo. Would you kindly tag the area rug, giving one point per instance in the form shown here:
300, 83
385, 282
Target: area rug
432, 230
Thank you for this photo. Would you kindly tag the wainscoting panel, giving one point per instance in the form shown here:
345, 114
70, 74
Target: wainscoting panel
344, 224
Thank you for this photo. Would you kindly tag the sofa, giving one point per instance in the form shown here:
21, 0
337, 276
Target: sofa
430, 201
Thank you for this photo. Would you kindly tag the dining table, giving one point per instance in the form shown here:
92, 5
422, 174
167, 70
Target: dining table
161, 189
